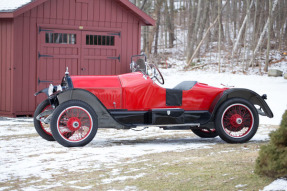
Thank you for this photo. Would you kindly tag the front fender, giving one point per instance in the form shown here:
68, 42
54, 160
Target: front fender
42, 91
249, 95
104, 117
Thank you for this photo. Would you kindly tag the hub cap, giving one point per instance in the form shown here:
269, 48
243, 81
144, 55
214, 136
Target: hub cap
237, 120
74, 124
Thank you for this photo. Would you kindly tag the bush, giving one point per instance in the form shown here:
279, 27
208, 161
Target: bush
272, 159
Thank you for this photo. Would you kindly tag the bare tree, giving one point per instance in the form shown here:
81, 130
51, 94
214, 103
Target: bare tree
268, 37
263, 32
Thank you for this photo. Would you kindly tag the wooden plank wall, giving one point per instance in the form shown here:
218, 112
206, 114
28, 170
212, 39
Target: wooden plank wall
93, 15
6, 60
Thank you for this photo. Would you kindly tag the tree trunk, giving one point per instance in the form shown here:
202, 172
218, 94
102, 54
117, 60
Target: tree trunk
254, 30
264, 31
171, 25
234, 18
246, 49
268, 37
219, 35
203, 23
157, 27
195, 31
239, 35
204, 37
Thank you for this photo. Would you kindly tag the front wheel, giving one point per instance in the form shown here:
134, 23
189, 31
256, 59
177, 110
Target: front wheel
236, 121
74, 124
42, 128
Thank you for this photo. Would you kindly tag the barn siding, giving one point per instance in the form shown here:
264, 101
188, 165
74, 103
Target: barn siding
6, 66
93, 15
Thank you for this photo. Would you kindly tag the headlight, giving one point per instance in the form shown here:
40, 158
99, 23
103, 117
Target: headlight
51, 89
59, 88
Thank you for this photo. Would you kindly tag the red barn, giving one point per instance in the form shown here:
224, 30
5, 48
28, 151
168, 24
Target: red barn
40, 38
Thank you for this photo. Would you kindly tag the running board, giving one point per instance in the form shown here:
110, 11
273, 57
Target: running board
172, 125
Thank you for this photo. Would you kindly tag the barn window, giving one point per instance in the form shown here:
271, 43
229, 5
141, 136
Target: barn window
60, 38
100, 40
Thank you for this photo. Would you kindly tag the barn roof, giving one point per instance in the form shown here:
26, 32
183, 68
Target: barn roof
13, 8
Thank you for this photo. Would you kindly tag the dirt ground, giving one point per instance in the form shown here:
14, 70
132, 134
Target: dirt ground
152, 159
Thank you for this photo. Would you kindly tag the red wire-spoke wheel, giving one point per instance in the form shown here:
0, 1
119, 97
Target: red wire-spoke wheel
42, 128
74, 123
236, 121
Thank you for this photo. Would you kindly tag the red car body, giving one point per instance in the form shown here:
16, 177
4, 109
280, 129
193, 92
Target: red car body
137, 92
82, 104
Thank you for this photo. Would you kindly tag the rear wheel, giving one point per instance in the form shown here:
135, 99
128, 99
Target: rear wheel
74, 124
205, 133
236, 121
42, 128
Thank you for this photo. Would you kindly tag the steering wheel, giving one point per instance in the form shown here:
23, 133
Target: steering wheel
157, 75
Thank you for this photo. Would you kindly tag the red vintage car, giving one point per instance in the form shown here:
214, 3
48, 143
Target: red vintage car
79, 106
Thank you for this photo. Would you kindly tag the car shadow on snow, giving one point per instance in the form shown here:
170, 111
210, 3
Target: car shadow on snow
163, 141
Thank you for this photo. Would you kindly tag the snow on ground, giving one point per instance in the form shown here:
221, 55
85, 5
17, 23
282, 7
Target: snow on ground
27, 157
280, 184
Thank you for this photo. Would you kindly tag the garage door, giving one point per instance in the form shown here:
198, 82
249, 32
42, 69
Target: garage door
84, 52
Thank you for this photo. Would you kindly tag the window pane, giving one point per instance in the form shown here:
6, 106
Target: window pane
104, 40
99, 40
108, 40
60, 38
95, 39
47, 38
65, 38
73, 39
87, 39
91, 39
112, 41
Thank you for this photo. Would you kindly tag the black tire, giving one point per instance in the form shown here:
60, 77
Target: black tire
205, 133
236, 121
74, 124
43, 129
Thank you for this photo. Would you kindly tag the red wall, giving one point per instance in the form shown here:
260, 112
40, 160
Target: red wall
6, 65
93, 15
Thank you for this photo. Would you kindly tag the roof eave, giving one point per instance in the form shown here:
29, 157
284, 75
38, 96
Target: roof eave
6, 15
147, 20
21, 10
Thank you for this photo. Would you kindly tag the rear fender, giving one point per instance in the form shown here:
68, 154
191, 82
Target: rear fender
249, 95
104, 117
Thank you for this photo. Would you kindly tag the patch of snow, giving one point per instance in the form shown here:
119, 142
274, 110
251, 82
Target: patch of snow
240, 185
122, 178
83, 188
127, 188
279, 184
10, 5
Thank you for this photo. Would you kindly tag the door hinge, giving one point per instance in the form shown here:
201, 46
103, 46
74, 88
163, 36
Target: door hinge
44, 56
115, 58
115, 34
46, 30
43, 81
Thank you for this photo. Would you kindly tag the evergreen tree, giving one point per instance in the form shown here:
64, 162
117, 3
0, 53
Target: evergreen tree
272, 160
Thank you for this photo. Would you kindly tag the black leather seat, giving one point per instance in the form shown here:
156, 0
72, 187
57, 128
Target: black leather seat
185, 85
